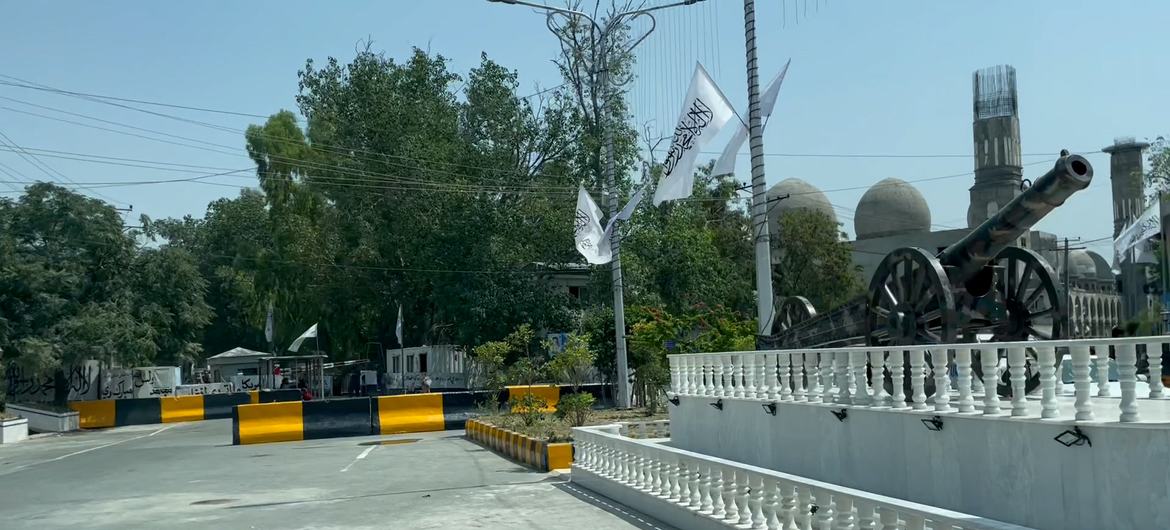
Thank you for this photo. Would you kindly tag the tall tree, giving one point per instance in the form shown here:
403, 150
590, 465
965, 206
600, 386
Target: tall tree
814, 261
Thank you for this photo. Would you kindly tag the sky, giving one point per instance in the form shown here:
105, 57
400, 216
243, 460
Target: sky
867, 78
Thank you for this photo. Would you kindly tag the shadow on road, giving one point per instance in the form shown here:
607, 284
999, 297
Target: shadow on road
613, 507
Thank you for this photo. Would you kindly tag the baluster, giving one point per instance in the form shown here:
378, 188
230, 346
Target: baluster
897, 360
681, 492
918, 378
784, 375
731, 381
718, 507
770, 504
802, 515
823, 519
730, 502
708, 375
963, 367
737, 377
812, 390
798, 363
1154, 354
1049, 407
744, 499
1081, 383
675, 384
772, 374
706, 503
666, 469
637, 470
765, 386
867, 518
1103, 371
720, 391
759, 518
843, 512
787, 512
857, 363
989, 358
976, 383
685, 380
914, 521
942, 379
1127, 377
1017, 368
841, 366
747, 363
877, 363
650, 475
888, 518
695, 484
825, 373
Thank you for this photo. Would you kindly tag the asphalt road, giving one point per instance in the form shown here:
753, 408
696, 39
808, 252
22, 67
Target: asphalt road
189, 475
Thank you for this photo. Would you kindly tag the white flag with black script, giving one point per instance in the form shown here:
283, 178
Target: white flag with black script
705, 111
587, 232
1135, 235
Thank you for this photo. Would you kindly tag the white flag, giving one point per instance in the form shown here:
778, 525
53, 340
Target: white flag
398, 328
705, 111
626, 212
590, 238
308, 334
726, 163
1143, 228
269, 324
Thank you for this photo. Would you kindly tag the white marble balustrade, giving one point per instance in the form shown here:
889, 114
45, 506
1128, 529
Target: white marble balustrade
736, 495
843, 376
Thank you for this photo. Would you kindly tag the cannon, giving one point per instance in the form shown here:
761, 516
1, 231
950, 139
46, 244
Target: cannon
981, 288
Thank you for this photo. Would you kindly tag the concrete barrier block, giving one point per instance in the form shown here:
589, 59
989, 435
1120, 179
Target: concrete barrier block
558, 456
268, 422
94, 414
409, 413
138, 411
180, 408
217, 406
337, 417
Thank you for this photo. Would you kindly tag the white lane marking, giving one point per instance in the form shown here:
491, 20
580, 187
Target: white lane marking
359, 457
83, 451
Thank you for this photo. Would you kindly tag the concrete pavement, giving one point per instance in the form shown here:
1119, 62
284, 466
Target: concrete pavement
190, 476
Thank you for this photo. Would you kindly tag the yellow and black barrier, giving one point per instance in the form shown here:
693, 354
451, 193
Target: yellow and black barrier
531, 452
96, 414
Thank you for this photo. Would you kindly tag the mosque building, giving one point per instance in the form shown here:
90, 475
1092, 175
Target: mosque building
893, 213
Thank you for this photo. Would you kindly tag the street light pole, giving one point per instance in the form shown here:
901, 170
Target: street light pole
764, 302
599, 78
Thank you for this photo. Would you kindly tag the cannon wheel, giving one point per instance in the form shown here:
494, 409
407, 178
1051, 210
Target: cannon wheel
910, 302
1035, 306
792, 311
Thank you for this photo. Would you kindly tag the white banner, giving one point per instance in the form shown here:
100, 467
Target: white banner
1143, 228
726, 163
590, 238
308, 334
704, 113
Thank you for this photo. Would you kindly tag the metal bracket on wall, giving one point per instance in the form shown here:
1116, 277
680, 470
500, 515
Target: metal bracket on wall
718, 404
840, 414
1073, 437
770, 408
674, 401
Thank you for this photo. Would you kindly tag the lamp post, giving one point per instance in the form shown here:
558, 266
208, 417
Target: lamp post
599, 79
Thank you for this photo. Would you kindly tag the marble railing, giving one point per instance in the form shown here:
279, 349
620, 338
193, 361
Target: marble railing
645, 429
693, 490
840, 376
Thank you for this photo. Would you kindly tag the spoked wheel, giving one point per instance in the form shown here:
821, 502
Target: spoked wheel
910, 302
1034, 303
792, 311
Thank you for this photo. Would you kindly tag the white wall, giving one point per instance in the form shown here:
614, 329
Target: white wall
1004, 469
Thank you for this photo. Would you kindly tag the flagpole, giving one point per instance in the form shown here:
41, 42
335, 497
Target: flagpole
763, 248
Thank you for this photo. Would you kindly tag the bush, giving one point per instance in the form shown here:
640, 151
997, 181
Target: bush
575, 408
530, 408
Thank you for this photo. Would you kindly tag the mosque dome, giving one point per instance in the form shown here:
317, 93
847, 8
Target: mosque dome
1089, 265
800, 195
890, 207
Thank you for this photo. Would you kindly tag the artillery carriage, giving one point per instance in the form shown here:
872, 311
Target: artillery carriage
982, 288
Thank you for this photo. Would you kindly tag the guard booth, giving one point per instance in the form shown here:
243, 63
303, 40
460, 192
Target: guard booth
254, 370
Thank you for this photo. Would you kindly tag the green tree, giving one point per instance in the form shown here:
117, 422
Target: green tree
813, 260
169, 294
573, 364
65, 285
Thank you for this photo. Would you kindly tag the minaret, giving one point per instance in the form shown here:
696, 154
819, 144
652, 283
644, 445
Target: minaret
998, 170
1126, 173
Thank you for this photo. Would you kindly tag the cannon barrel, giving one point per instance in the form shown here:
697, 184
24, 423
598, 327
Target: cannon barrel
969, 255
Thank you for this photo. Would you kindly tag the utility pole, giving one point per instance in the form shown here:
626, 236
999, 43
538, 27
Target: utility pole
599, 79
1067, 282
764, 302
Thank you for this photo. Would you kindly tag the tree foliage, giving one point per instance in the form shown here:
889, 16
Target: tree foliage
812, 260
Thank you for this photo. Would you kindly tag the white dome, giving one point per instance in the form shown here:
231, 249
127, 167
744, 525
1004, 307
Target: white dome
890, 207
799, 195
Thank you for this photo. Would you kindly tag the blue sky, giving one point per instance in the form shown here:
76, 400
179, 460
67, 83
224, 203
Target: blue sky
866, 78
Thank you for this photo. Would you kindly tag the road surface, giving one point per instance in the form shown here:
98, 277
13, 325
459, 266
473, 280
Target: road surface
188, 475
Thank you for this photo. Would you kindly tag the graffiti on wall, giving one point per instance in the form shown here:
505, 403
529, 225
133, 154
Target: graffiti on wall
203, 389
27, 386
124, 383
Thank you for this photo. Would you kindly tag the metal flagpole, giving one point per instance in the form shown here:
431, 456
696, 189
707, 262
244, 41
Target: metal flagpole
759, 185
